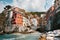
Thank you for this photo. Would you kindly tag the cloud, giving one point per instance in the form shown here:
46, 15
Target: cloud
48, 4
29, 5
33, 5
1, 6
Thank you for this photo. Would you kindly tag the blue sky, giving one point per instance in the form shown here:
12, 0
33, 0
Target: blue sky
8, 1
28, 5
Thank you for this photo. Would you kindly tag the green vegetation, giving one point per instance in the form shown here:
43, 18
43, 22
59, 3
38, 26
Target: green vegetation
38, 13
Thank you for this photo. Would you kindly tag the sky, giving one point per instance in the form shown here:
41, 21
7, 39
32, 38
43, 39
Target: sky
28, 5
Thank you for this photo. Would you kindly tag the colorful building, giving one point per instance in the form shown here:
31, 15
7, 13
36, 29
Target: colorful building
17, 18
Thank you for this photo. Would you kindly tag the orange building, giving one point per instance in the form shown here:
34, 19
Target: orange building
17, 16
19, 19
